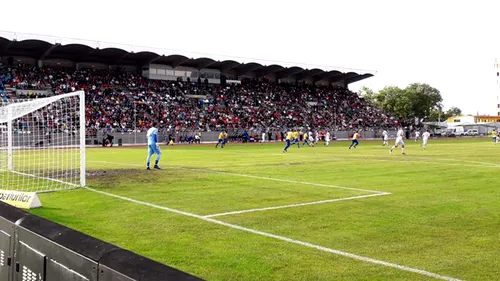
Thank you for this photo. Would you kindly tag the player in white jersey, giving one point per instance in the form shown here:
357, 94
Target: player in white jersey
399, 141
417, 136
263, 138
311, 140
385, 136
327, 138
153, 147
425, 138
316, 137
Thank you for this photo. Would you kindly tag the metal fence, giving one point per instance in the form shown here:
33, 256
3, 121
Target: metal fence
35, 249
131, 138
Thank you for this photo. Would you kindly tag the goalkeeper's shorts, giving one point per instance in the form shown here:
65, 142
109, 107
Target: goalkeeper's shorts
153, 149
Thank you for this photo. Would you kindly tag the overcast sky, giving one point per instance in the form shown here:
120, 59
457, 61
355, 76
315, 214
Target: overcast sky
450, 45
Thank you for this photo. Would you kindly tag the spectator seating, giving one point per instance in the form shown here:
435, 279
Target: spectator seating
129, 102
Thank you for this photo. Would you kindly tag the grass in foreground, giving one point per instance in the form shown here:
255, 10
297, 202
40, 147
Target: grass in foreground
442, 215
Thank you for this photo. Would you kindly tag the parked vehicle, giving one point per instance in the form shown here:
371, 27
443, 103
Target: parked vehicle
448, 133
457, 131
472, 132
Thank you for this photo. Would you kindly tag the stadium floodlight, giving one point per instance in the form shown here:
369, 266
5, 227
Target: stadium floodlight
42, 143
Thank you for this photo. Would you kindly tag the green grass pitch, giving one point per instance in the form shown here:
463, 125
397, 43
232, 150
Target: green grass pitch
436, 211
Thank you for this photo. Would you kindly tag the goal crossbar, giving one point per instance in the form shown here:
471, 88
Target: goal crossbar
8, 112
42, 144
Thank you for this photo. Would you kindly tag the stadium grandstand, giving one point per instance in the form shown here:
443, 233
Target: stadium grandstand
128, 87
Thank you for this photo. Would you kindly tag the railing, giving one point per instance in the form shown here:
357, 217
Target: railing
36, 249
131, 138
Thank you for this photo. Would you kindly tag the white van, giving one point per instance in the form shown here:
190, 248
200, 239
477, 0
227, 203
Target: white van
458, 131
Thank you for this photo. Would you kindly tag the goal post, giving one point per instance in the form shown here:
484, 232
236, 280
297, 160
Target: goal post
42, 143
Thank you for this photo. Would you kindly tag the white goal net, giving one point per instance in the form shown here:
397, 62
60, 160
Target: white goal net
42, 143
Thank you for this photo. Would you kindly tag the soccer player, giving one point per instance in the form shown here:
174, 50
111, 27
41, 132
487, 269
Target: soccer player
495, 136
425, 138
327, 138
226, 137
311, 140
296, 136
153, 147
385, 136
399, 141
354, 142
263, 137
316, 137
305, 139
221, 140
417, 136
289, 138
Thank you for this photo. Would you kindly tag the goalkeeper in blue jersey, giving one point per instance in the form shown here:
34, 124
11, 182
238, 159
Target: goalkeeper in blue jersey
153, 147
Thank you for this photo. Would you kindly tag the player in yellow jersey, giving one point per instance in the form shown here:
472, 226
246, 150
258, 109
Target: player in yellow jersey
305, 140
289, 138
296, 137
226, 136
354, 142
222, 136
494, 134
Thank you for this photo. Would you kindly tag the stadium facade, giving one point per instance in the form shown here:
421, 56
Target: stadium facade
40, 50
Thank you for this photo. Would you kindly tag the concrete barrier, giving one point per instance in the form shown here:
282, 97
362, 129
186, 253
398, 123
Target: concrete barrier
36, 249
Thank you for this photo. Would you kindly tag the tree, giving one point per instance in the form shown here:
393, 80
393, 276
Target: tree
394, 101
368, 93
424, 99
439, 115
436, 115
453, 111
416, 100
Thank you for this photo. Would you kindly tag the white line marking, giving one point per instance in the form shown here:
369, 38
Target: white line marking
280, 180
252, 177
296, 205
426, 162
285, 239
74, 186
468, 161
43, 178
437, 158
429, 161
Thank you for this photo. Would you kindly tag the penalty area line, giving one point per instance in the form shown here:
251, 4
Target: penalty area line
431, 160
251, 176
278, 180
283, 238
295, 205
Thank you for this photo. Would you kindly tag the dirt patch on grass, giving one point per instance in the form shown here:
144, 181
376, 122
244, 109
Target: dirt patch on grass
112, 173
117, 177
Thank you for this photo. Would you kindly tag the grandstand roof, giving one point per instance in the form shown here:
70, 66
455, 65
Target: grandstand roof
42, 47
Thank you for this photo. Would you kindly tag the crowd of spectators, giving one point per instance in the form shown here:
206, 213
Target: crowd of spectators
127, 102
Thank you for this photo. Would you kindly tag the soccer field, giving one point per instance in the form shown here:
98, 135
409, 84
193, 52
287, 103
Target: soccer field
251, 212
